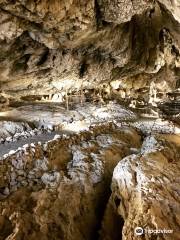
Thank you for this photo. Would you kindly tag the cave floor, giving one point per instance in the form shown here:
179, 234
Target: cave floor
53, 114
64, 161
45, 120
42, 137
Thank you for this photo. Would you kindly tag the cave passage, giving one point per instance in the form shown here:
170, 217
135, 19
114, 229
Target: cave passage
89, 120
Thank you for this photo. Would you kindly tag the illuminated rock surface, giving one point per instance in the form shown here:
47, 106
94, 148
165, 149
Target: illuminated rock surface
145, 191
89, 119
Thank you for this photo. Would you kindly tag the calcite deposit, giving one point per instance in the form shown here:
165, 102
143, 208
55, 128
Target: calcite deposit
145, 192
52, 46
58, 190
89, 119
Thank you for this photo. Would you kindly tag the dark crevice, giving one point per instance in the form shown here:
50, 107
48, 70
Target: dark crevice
113, 224
54, 58
98, 56
83, 69
43, 57
21, 63
6, 227
175, 51
99, 210
98, 15
26, 58
151, 12
117, 201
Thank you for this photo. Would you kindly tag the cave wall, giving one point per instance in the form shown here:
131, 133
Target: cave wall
52, 46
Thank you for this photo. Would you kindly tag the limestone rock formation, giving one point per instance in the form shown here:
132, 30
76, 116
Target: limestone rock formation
58, 190
50, 46
145, 192
89, 98
123, 11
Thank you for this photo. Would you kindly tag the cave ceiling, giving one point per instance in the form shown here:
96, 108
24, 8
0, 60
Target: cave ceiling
48, 46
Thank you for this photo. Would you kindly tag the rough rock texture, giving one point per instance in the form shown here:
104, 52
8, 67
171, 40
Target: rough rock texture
68, 65
145, 192
58, 190
50, 46
122, 11
9, 129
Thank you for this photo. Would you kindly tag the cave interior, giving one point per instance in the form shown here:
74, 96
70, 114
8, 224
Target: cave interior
89, 119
